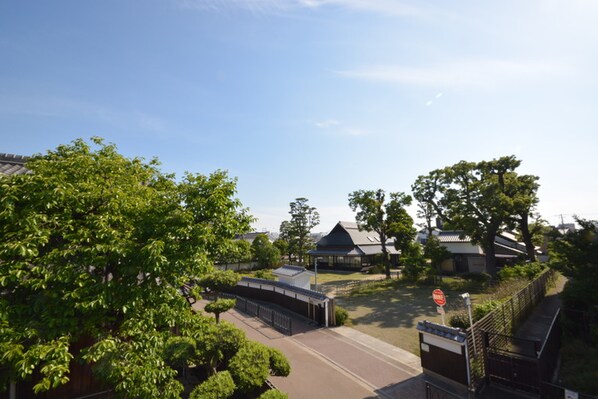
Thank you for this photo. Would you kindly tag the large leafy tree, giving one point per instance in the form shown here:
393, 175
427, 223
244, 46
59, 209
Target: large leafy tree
264, 252
387, 218
480, 198
296, 230
94, 247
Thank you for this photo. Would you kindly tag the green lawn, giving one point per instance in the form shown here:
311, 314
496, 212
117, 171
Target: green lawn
391, 312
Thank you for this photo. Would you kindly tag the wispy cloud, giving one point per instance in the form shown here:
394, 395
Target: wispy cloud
471, 74
386, 7
333, 126
327, 123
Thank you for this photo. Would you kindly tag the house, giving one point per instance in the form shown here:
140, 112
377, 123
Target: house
13, 164
297, 276
348, 248
249, 237
470, 257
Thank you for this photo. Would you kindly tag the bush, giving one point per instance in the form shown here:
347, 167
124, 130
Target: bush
461, 318
483, 278
273, 394
250, 367
265, 274
178, 351
218, 386
377, 269
279, 365
481, 310
528, 271
340, 315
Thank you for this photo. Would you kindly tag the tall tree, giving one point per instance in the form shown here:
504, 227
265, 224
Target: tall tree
388, 219
479, 198
297, 230
94, 247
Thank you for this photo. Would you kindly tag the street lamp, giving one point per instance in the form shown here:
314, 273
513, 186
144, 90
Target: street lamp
467, 298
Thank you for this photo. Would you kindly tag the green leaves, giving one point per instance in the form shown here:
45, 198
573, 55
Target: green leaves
93, 248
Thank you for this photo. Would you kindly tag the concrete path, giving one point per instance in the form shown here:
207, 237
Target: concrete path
337, 363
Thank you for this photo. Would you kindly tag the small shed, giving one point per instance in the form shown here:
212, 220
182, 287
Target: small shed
296, 276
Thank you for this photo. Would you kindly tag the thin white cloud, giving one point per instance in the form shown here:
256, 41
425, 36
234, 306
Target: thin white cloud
327, 123
333, 126
385, 7
471, 74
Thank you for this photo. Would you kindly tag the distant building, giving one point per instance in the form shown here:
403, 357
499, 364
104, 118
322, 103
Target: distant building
470, 257
13, 164
348, 248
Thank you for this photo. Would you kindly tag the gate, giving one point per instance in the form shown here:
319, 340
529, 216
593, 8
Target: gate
522, 364
511, 362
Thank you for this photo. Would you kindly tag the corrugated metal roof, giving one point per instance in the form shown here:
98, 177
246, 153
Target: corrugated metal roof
11, 164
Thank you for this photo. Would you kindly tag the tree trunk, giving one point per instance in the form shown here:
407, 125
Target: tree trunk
527, 237
490, 256
385, 261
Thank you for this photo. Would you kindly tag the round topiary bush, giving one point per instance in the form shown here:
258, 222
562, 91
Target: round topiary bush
340, 315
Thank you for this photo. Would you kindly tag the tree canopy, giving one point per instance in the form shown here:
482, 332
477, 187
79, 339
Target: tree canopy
94, 247
481, 199
388, 219
264, 252
296, 230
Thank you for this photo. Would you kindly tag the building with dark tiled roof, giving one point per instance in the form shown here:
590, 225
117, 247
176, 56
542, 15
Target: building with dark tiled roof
470, 257
13, 164
347, 247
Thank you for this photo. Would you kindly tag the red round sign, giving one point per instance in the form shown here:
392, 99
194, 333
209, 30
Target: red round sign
438, 297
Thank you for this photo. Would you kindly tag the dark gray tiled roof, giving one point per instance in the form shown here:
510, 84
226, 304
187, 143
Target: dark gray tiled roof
454, 334
309, 293
453, 236
290, 270
13, 164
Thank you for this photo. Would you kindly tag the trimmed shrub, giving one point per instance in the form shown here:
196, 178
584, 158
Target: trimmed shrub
220, 306
377, 269
250, 367
218, 386
340, 315
273, 394
179, 351
265, 274
279, 364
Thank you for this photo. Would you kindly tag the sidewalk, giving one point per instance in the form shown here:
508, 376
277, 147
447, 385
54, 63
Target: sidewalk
337, 363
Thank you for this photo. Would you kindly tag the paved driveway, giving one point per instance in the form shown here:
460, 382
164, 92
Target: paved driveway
338, 363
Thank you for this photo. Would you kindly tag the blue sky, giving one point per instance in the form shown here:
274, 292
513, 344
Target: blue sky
312, 98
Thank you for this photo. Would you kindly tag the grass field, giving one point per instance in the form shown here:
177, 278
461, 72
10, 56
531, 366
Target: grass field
390, 312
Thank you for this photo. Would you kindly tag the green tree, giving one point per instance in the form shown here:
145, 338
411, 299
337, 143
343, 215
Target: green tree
297, 230
219, 281
576, 256
217, 386
94, 247
479, 198
220, 306
264, 252
388, 219
435, 252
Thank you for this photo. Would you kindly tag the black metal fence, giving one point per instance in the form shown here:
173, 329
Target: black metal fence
505, 319
279, 321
